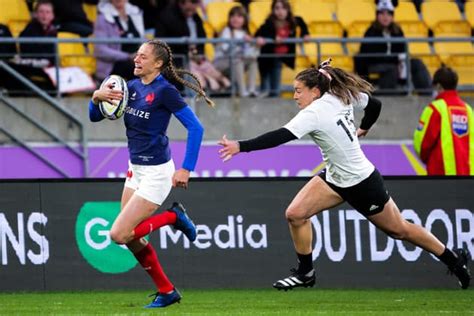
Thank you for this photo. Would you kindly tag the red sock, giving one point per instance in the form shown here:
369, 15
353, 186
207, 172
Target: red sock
153, 223
149, 261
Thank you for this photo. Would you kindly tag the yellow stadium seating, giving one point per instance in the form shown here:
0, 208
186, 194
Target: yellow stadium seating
452, 28
208, 29
406, 11
74, 54
321, 25
13, 10
258, 13
319, 18
469, 12
355, 24
15, 14
434, 12
463, 64
217, 13
16, 27
416, 29
447, 49
91, 11
288, 75
431, 61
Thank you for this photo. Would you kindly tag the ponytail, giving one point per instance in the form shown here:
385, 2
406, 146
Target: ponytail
163, 52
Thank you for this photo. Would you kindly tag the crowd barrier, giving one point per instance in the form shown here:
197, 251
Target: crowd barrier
343, 57
54, 236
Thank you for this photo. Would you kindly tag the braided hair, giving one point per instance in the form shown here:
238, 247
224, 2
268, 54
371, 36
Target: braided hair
344, 85
163, 52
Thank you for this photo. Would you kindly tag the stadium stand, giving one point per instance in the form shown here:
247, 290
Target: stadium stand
91, 11
325, 19
258, 12
464, 65
355, 24
217, 13
74, 54
320, 25
15, 14
469, 12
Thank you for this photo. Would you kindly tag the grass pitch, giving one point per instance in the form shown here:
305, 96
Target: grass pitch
246, 302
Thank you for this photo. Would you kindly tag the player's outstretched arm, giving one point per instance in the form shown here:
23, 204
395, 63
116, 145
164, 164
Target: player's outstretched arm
264, 141
229, 148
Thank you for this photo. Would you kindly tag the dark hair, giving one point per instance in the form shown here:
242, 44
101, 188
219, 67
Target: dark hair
446, 77
344, 85
42, 2
239, 10
393, 28
163, 52
290, 18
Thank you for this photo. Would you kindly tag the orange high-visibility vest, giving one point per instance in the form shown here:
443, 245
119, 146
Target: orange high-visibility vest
446, 137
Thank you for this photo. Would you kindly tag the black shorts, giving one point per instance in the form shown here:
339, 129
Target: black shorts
367, 197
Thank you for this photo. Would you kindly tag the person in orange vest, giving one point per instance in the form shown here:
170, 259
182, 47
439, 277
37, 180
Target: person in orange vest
444, 138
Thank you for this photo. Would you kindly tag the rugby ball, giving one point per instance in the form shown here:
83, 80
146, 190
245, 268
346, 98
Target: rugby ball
113, 111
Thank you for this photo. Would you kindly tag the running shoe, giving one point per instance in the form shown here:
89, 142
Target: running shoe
460, 269
163, 300
183, 222
296, 280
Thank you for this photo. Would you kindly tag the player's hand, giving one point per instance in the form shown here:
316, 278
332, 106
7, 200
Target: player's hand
229, 148
362, 132
181, 178
107, 94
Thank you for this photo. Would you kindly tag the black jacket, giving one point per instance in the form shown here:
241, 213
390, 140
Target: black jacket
33, 50
172, 23
71, 11
7, 51
268, 30
362, 63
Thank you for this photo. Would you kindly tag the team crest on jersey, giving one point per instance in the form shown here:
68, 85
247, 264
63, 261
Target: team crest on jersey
459, 121
150, 97
420, 126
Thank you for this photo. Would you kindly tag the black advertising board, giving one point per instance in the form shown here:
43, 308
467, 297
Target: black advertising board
54, 236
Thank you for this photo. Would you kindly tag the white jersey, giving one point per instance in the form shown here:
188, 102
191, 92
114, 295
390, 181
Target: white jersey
330, 123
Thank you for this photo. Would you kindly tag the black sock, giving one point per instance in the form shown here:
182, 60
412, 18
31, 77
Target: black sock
305, 263
448, 257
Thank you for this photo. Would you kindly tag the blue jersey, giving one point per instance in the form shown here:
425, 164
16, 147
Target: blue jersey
147, 117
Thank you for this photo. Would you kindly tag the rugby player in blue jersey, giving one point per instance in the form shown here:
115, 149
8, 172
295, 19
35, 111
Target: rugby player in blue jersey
151, 174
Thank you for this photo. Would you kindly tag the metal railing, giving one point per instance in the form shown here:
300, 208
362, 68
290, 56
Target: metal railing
319, 42
54, 103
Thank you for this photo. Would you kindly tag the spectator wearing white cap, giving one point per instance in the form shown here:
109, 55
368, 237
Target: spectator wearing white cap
388, 59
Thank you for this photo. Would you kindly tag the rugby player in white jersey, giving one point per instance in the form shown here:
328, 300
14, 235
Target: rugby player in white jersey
327, 97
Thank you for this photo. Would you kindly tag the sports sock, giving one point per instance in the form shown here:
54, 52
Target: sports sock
305, 263
149, 261
153, 223
448, 257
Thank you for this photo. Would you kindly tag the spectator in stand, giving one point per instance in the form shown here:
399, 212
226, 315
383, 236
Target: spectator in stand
444, 138
392, 67
244, 55
70, 16
41, 25
119, 19
7, 50
280, 25
182, 20
151, 10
